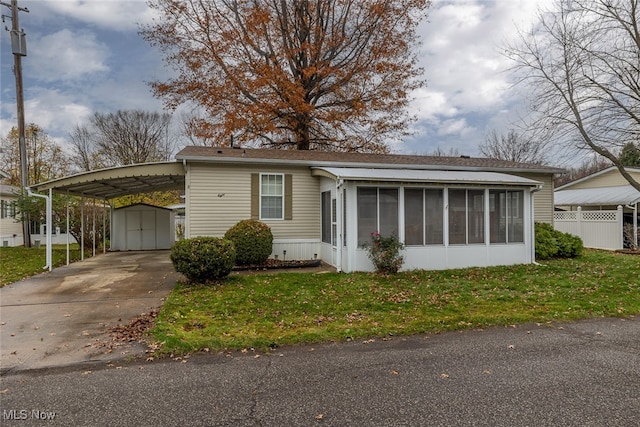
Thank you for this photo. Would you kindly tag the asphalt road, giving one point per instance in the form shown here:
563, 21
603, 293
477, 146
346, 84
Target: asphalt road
572, 374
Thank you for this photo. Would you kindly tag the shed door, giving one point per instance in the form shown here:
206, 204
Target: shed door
141, 230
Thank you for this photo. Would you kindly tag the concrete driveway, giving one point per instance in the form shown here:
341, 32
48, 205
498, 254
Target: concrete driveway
64, 316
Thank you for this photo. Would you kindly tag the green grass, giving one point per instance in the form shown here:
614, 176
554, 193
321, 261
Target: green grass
19, 262
262, 311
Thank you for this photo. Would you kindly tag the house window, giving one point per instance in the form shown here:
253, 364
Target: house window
423, 216
334, 222
344, 217
271, 196
506, 222
325, 202
377, 212
466, 216
7, 209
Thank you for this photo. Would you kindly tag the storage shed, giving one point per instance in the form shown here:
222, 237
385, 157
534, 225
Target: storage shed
142, 227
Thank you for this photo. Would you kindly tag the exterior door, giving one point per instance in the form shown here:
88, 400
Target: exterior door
141, 230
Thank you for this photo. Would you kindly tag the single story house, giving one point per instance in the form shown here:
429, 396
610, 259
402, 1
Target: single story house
450, 212
597, 207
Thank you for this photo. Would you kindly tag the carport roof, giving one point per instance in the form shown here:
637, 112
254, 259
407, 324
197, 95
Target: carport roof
600, 196
119, 181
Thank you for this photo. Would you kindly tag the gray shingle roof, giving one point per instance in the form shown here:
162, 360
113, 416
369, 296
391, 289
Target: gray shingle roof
329, 158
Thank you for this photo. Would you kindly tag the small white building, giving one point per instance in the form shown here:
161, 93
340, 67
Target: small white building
142, 227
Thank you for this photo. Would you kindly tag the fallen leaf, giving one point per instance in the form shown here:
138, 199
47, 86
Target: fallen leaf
4, 391
486, 372
394, 372
86, 372
444, 375
319, 416
68, 315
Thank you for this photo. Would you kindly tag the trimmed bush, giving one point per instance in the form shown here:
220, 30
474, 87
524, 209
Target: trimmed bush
569, 246
384, 252
253, 241
203, 259
551, 243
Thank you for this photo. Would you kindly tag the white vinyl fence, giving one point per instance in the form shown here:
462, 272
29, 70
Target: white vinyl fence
597, 229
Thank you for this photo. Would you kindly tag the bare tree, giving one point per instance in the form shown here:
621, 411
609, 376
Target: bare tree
302, 74
441, 152
85, 151
513, 147
581, 64
586, 168
123, 138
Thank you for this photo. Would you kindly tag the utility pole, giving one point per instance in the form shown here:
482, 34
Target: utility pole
19, 49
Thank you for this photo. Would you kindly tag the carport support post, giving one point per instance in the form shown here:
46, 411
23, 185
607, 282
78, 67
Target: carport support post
104, 226
68, 229
93, 229
82, 229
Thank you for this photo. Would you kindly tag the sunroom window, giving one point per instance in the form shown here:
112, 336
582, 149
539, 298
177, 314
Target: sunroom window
377, 212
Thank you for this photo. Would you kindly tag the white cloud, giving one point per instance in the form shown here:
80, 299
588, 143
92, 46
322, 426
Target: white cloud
454, 127
465, 71
54, 111
67, 55
428, 105
119, 15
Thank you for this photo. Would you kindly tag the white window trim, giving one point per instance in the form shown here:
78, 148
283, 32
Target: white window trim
263, 174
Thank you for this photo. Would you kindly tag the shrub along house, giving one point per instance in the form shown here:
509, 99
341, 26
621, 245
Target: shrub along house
449, 212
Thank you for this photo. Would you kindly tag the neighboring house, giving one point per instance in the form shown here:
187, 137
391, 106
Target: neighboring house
449, 212
598, 207
10, 230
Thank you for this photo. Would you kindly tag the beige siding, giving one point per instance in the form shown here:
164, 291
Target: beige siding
9, 227
218, 196
610, 178
543, 199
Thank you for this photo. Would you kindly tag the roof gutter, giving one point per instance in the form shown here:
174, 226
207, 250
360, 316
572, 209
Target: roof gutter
324, 163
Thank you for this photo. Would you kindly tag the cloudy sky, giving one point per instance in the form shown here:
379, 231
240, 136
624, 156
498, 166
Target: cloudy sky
86, 56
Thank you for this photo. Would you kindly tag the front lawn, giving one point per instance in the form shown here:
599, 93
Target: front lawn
19, 262
262, 311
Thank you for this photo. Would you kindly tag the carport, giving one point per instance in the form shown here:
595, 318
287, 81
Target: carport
110, 183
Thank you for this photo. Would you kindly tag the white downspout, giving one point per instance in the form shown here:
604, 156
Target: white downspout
47, 222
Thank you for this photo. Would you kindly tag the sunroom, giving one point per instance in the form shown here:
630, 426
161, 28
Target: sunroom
446, 219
